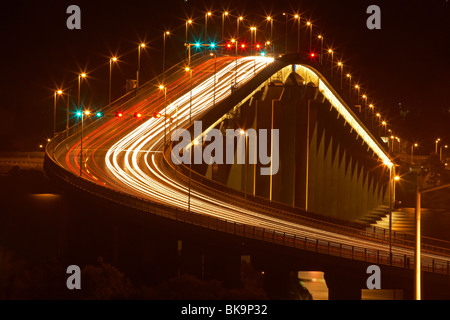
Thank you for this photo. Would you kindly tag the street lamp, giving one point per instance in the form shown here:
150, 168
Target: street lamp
166, 33
372, 108
384, 124
286, 33
242, 132
215, 68
330, 51
253, 40
239, 19
270, 19
140, 47
365, 105
437, 141
82, 114
208, 14
188, 23
440, 151
417, 251
415, 145
111, 60
297, 16
162, 87
189, 69
80, 77
341, 65
390, 165
225, 14
349, 77
57, 92
321, 48
357, 87
309, 24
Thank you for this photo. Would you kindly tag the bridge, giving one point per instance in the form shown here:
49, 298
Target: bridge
333, 167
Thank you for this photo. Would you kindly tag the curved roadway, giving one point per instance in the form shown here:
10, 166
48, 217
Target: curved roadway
125, 153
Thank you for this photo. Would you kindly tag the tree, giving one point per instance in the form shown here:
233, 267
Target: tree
433, 171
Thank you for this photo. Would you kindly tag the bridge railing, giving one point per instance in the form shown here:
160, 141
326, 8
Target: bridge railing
237, 198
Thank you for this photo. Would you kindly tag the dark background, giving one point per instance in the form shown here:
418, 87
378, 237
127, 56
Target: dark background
403, 67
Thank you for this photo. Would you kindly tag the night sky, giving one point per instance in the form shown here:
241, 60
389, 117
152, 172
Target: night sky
404, 67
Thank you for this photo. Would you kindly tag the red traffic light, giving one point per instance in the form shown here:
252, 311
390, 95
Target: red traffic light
313, 55
119, 114
137, 115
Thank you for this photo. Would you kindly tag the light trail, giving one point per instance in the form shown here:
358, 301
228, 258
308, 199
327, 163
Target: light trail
132, 162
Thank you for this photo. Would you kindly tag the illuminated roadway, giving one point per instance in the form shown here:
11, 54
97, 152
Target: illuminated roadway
125, 153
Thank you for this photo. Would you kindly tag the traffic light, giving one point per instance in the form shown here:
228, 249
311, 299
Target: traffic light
99, 114
119, 114
79, 113
157, 115
138, 115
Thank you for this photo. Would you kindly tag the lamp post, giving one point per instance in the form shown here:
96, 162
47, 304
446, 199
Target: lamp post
391, 181
238, 20
415, 145
111, 60
188, 23
297, 16
371, 107
81, 113
166, 33
321, 48
58, 92
253, 40
242, 132
188, 69
270, 19
80, 76
357, 87
225, 14
417, 251
140, 47
162, 87
286, 33
188, 49
384, 124
208, 14
341, 66
67, 115
378, 115
309, 24
349, 77
365, 105
437, 141
440, 151
330, 51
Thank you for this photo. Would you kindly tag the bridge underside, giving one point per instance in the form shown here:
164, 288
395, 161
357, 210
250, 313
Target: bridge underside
324, 166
